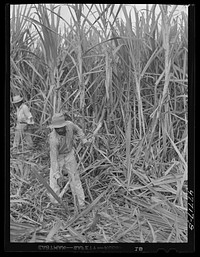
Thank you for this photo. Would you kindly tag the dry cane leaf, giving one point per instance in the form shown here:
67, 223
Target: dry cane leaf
53, 231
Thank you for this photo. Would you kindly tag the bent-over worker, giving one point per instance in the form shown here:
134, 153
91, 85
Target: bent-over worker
62, 156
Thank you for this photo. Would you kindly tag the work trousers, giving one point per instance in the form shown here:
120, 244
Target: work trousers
20, 134
67, 165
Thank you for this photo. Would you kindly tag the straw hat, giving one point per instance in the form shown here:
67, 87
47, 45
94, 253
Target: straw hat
58, 121
17, 99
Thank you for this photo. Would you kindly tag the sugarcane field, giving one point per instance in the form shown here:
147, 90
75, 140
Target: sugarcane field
98, 123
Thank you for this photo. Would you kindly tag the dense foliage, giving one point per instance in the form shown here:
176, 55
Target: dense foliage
131, 75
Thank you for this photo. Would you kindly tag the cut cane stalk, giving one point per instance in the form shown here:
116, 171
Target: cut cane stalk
97, 128
64, 189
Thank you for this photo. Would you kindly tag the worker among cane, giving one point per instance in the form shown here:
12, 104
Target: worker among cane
62, 156
24, 118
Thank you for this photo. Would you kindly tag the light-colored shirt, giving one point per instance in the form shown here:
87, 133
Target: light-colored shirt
24, 115
63, 144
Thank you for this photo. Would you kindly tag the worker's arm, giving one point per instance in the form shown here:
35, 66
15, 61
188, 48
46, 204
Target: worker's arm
80, 133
